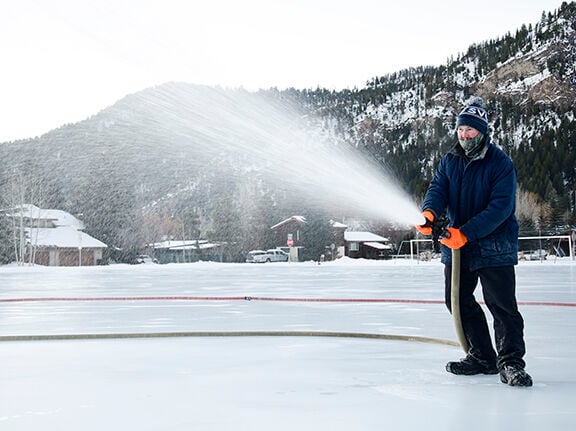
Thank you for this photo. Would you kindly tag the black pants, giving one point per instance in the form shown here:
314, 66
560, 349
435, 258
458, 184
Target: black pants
499, 291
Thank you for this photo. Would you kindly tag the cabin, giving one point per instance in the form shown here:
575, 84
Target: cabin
367, 245
288, 233
56, 238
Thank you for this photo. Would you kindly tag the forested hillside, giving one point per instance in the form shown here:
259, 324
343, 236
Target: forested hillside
528, 79
153, 165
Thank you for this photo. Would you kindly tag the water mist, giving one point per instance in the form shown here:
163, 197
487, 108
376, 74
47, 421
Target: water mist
270, 136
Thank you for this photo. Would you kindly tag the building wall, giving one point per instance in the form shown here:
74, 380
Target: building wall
366, 252
294, 228
67, 256
42, 258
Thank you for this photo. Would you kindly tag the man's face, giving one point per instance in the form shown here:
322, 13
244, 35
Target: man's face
467, 132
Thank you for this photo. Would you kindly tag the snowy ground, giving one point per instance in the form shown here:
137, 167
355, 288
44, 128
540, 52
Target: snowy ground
272, 382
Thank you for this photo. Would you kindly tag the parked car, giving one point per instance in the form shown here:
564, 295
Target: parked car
272, 255
257, 256
144, 258
277, 255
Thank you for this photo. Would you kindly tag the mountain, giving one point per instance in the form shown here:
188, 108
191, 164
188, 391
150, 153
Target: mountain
179, 161
528, 79
186, 161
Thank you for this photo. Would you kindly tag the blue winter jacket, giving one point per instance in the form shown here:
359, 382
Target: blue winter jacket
479, 197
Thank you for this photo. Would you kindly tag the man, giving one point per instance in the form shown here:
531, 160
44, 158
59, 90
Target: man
475, 183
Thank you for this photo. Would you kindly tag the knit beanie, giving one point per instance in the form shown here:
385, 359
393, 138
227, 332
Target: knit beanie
474, 115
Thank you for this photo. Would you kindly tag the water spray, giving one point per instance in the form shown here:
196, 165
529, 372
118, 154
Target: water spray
272, 137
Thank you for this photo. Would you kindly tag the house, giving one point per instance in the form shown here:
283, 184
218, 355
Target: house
55, 237
289, 236
367, 245
183, 251
338, 247
289, 232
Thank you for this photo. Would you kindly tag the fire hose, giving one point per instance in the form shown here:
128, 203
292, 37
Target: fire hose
439, 230
455, 300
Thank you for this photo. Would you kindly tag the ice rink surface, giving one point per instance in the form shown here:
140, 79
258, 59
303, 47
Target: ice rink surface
270, 382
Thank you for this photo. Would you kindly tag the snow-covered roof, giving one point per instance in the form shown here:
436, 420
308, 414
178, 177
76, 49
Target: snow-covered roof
299, 219
364, 237
338, 225
62, 237
184, 245
378, 245
58, 217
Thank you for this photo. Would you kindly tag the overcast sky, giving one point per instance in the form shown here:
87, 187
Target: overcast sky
65, 60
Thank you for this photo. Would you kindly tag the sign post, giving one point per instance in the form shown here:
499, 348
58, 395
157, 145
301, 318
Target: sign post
290, 243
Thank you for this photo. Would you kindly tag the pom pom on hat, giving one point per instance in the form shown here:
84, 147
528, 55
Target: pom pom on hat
474, 115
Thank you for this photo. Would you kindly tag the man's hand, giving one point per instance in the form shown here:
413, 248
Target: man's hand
454, 238
426, 228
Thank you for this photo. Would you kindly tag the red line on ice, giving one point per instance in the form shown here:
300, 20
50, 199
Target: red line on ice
257, 298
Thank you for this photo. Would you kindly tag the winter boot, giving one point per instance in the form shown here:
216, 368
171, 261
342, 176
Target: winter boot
514, 375
470, 366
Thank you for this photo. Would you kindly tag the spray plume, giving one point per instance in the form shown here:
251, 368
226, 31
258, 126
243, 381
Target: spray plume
269, 135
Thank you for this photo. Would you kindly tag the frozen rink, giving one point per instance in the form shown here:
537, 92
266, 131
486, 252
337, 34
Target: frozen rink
270, 382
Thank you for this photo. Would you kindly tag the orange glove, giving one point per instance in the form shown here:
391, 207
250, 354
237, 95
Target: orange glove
455, 238
426, 228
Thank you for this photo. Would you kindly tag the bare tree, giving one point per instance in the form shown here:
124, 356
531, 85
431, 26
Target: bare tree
530, 209
21, 190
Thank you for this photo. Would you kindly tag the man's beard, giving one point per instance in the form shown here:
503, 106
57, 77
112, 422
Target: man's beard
472, 147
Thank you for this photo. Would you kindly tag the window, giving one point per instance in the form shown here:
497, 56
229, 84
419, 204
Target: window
354, 246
